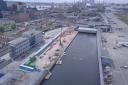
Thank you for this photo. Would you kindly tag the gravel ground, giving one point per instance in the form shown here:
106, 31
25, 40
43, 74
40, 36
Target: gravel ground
120, 54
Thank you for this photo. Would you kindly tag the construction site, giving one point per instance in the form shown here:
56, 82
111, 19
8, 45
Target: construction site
78, 43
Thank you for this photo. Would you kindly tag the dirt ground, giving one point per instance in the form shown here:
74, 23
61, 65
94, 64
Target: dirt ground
119, 54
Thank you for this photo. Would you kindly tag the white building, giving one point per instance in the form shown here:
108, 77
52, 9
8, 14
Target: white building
35, 37
18, 47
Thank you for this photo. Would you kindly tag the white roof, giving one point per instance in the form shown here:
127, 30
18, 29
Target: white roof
89, 30
17, 40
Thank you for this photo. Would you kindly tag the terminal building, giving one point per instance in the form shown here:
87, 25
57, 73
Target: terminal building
20, 46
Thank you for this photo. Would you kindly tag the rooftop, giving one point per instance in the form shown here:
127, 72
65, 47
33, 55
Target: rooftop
32, 32
6, 78
83, 29
17, 40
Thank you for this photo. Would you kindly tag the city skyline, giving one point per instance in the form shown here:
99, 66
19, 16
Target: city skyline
59, 1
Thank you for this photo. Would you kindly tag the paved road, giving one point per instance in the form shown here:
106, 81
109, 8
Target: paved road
80, 66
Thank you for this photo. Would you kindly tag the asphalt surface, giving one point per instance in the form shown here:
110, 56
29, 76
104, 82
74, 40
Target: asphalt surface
80, 64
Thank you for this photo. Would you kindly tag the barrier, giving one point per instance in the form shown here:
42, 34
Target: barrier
99, 56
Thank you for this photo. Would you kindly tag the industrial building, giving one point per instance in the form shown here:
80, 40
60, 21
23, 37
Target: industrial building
20, 46
104, 28
34, 37
5, 21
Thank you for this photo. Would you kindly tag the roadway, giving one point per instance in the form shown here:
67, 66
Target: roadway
80, 64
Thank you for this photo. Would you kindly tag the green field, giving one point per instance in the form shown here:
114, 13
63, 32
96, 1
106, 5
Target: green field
123, 17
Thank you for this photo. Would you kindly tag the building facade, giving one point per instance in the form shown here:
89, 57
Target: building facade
20, 46
34, 37
5, 21
3, 5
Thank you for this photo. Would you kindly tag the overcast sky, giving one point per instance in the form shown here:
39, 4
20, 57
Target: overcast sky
116, 1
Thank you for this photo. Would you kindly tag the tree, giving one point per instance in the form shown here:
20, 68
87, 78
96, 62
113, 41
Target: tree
13, 26
2, 29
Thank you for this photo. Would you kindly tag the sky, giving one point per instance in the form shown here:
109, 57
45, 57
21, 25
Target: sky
109, 1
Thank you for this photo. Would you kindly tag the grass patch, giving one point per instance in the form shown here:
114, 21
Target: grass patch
123, 17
